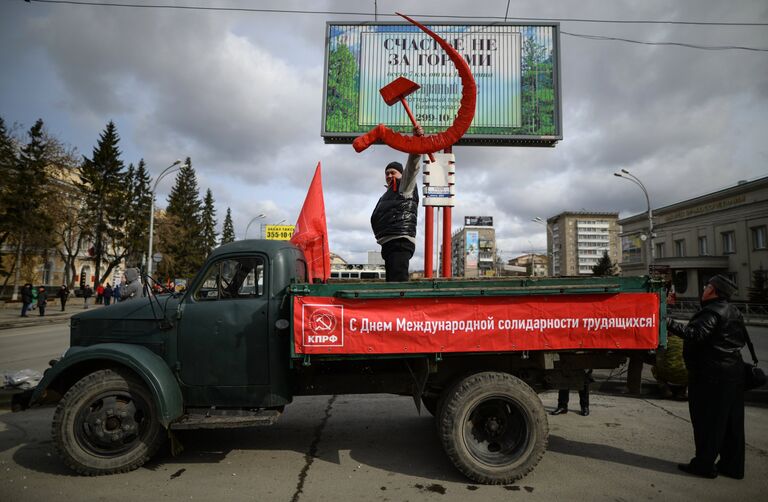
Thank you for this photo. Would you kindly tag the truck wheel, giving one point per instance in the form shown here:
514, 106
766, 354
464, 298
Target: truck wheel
107, 423
493, 427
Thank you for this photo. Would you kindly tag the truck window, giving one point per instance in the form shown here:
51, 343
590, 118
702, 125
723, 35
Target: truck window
232, 278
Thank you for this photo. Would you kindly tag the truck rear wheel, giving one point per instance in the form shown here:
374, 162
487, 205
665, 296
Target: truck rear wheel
493, 427
107, 423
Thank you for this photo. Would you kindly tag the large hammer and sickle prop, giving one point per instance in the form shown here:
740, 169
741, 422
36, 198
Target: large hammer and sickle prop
429, 144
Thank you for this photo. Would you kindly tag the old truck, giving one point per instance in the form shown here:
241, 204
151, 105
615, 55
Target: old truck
250, 333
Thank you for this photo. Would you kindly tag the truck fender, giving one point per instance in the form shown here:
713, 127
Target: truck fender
150, 367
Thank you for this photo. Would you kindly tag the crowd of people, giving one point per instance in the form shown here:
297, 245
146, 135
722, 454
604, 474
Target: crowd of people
36, 298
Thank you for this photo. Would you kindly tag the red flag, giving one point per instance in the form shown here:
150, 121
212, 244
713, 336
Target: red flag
311, 234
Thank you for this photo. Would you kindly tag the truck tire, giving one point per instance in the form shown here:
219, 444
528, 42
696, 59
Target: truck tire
107, 423
493, 427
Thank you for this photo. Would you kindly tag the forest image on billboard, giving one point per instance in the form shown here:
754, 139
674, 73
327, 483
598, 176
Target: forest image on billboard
514, 68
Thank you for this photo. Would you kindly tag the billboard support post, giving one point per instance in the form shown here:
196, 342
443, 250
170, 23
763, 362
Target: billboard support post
447, 213
429, 219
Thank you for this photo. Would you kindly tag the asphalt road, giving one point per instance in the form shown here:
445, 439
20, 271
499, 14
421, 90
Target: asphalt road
377, 448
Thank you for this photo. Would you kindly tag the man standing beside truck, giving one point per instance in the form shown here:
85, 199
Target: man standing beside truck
395, 215
712, 343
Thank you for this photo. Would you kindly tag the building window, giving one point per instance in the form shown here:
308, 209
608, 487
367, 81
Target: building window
759, 238
703, 251
680, 247
659, 250
729, 243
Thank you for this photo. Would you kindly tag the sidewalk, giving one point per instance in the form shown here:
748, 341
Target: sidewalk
10, 313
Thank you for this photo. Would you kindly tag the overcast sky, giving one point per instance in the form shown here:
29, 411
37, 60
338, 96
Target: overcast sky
241, 94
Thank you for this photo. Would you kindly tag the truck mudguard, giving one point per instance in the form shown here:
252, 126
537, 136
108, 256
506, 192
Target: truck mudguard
147, 365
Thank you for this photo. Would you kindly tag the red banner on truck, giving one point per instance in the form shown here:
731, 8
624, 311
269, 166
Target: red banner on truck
326, 325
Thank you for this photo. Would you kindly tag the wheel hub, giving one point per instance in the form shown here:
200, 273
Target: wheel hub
111, 422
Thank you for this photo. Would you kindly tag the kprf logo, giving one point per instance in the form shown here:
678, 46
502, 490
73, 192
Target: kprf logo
322, 325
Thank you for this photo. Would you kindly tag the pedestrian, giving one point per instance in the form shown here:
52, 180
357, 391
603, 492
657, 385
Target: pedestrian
42, 300
712, 343
107, 294
99, 294
394, 217
116, 292
563, 396
33, 306
87, 293
63, 295
26, 299
132, 288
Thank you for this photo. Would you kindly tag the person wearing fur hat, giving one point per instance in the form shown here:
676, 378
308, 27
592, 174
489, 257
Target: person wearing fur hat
395, 215
712, 343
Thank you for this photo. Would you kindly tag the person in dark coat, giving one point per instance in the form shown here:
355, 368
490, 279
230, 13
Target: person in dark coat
395, 215
712, 343
42, 300
63, 295
87, 293
26, 299
107, 294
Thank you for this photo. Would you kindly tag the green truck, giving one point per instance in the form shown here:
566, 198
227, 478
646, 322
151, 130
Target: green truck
250, 333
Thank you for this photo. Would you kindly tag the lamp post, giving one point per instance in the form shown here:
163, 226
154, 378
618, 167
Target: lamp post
551, 255
257, 217
176, 165
634, 179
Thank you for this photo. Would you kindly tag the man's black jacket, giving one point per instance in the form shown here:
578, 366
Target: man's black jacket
712, 345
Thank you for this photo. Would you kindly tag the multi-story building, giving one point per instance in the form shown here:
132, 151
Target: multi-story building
723, 232
473, 248
534, 264
576, 240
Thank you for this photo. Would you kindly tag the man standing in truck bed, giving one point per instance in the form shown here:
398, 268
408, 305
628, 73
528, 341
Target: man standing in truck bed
395, 215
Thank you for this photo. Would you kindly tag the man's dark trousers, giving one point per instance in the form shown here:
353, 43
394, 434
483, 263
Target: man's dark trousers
717, 416
397, 253
563, 398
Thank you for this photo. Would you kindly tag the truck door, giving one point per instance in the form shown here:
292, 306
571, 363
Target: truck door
223, 331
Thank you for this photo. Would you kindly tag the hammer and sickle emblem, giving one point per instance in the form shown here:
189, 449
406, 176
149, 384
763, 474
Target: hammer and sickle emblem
429, 144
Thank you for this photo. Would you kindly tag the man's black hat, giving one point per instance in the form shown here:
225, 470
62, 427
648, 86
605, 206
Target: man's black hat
724, 286
396, 166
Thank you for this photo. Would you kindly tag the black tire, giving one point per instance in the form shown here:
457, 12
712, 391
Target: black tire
493, 427
107, 423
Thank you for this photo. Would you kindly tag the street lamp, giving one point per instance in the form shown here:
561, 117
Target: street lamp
540, 221
173, 167
257, 217
631, 177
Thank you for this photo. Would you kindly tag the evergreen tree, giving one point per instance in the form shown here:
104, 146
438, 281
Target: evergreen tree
228, 231
209, 223
184, 213
26, 222
604, 267
137, 220
102, 184
8, 165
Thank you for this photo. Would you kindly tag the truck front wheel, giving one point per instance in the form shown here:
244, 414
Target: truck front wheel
107, 423
493, 427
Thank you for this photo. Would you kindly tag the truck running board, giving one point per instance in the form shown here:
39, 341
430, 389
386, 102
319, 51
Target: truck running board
226, 419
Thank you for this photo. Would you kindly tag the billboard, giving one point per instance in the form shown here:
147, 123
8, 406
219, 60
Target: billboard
516, 68
478, 221
278, 232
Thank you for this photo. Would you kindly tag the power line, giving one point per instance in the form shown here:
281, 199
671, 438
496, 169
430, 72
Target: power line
351, 13
678, 44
